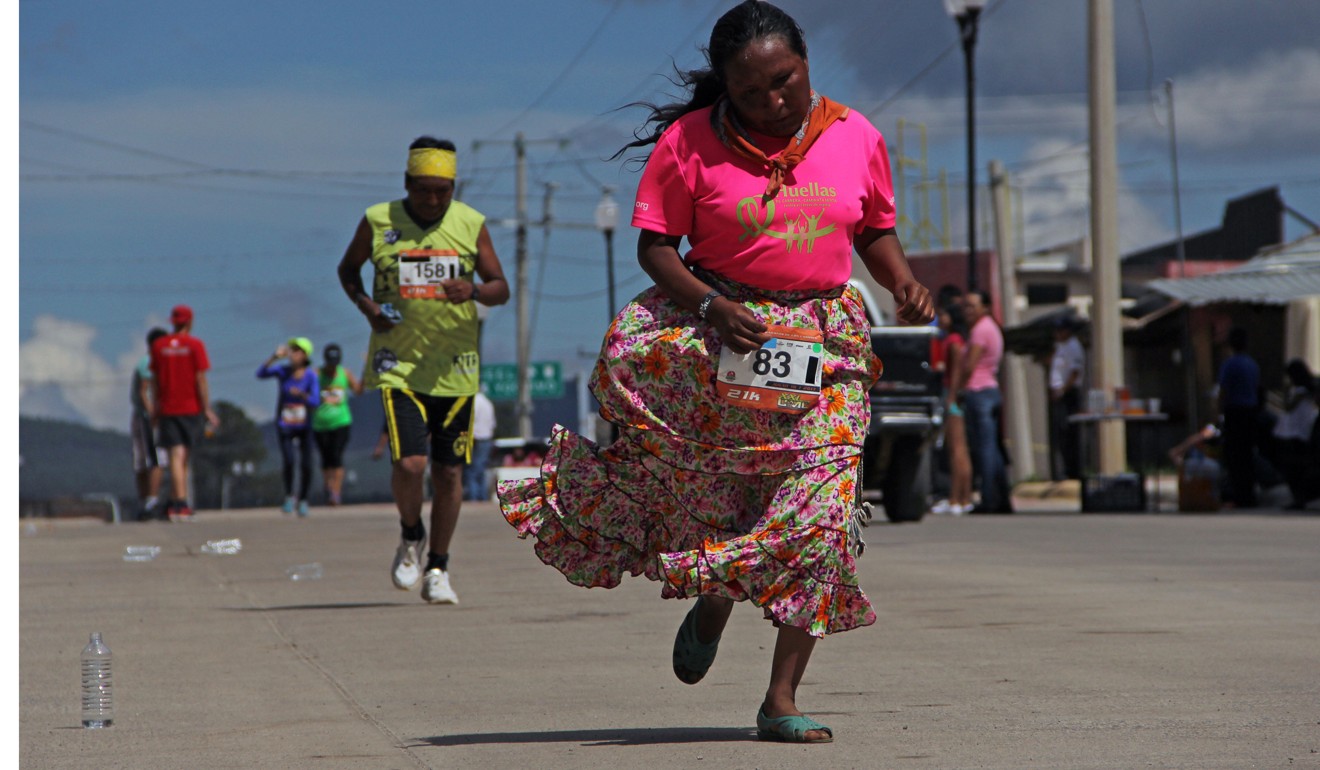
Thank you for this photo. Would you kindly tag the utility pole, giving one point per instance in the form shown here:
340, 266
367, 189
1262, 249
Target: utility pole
1014, 373
1190, 394
1106, 274
524, 408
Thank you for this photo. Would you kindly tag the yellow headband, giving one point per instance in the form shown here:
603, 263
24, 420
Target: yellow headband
428, 161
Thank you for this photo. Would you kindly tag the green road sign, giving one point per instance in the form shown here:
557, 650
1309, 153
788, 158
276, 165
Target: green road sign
500, 381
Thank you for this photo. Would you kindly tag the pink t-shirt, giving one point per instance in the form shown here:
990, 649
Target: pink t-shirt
694, 186
986, 335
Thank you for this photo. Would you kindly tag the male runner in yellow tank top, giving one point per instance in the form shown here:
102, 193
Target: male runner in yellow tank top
427, 251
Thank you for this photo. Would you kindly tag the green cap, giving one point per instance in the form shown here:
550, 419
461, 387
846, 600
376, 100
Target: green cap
302, 343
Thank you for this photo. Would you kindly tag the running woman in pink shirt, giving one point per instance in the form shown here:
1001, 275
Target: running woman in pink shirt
738, 382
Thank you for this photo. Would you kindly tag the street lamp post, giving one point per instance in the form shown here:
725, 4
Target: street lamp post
227, 480
968, 13
607, 218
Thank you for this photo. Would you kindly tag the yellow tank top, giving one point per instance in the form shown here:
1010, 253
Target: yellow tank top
434, 349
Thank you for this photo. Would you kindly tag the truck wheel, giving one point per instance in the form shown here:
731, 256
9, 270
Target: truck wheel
906, 487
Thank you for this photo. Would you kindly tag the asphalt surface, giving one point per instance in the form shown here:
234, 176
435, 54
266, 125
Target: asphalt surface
1049, 640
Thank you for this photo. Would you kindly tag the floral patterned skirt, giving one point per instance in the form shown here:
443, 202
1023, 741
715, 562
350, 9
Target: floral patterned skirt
703, 495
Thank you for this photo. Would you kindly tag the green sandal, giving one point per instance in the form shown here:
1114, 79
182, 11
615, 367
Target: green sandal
692, 657
789, 729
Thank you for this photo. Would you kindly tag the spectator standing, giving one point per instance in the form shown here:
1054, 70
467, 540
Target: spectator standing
1239, 403
333, 419
148, 457
984, 402
182, 403
1296, 438
1067, 373
952, 354
300, 394
483, 439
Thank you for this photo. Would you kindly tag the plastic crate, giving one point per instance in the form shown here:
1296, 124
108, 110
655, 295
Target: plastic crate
1120, 493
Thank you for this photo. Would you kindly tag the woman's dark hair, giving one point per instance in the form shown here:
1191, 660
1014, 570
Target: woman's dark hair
1300, 374
432, 143
748, 21
957, 318
1237, 339
155, 334
333, 354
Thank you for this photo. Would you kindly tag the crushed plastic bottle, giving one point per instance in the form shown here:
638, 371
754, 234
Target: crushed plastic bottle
222, 547
311, 571
97, 701
141, 552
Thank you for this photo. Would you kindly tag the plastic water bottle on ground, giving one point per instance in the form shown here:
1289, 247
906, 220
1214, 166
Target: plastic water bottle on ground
227, 547
305, 571
141, 552
97, 701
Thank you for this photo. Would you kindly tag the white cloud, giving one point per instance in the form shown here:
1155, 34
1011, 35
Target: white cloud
1270, 105
1056, 199
59, 372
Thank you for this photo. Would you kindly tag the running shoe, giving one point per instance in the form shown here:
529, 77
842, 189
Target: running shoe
436, 589
943, 507
288, 505
407, 569
180, 512
302, 509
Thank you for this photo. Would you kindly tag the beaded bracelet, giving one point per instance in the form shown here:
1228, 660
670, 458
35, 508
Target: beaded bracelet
705, 303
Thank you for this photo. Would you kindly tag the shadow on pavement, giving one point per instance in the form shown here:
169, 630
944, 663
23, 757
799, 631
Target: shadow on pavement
636, 736
337, 606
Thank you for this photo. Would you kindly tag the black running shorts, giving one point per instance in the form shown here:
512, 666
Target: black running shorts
331, 444
411, 417
180, 430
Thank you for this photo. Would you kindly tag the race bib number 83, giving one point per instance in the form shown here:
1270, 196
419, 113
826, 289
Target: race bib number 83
783, 375
422, 271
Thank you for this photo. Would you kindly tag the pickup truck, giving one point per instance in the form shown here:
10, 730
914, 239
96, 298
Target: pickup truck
907, 413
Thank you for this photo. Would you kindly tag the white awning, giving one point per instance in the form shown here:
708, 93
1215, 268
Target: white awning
1277, 277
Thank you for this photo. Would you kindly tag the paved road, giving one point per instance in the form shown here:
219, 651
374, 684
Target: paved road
1048, 641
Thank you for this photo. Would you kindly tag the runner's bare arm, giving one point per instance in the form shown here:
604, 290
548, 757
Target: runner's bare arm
350, 277
956, 358
354, 384
737, 326
974, 353
204, 396
882, 253
494, 289
155, 399
146, 393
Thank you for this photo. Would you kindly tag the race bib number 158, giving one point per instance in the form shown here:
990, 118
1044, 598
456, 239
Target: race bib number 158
783, 375
421, 272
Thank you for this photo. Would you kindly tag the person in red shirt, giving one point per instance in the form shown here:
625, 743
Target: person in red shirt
182, 402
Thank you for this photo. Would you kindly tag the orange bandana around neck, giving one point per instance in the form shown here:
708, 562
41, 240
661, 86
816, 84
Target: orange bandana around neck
822, 114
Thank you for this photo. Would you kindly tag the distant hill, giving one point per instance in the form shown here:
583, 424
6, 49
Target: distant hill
63, 459
67, 460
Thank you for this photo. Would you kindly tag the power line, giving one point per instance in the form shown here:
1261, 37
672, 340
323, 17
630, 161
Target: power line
111, 145
926, 70
563, 73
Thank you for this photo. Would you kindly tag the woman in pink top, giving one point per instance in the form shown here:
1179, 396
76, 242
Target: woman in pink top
738, 382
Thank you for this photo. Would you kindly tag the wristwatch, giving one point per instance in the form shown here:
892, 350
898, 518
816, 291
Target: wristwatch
705, 303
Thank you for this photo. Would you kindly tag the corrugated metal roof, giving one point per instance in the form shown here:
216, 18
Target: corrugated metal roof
1276, 277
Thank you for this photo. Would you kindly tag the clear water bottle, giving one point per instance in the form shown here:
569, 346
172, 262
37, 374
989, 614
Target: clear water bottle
97, 703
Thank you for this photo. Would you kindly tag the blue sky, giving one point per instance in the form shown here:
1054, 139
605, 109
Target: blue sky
221, 155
